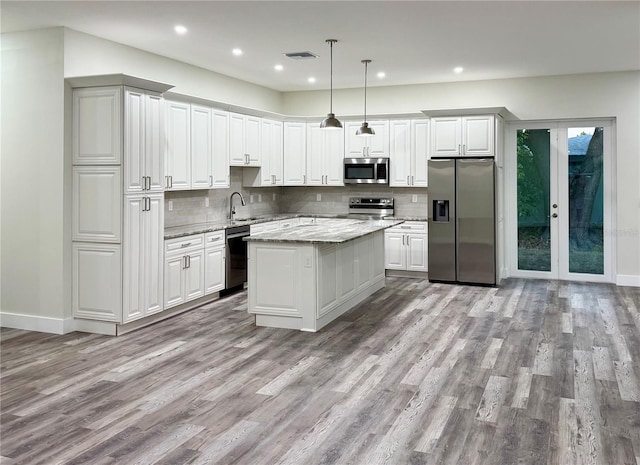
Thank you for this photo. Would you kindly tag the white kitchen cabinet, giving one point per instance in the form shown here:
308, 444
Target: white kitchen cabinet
472, 136
201, 149
220, 149
97, 203
406, 246
270, 172
97, 281
143, 142
295, 154
214, 262
178, 146
244, 140
408, 153
367, 146
325, 156
142, 256
183, 269
97, 126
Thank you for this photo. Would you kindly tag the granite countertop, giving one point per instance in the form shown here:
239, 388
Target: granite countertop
407, 218
199, 228
330, 232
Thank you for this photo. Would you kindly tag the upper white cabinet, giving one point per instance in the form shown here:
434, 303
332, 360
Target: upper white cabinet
408, 154
97, 126
325, 156
143, 142
244, 140
201, 150
472, 136
295, 154
367, 146
178, 146
270, 172
220, 149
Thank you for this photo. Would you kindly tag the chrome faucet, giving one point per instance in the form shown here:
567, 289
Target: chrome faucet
232, 209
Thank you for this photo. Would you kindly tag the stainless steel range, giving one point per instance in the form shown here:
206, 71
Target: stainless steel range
370, 208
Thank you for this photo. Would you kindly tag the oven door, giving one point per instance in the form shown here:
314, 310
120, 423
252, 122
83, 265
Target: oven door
365, 171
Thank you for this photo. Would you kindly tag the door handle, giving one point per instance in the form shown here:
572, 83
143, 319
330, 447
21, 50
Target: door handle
555, 215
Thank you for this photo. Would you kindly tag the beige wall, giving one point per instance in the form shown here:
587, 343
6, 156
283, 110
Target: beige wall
555, 97
35, 238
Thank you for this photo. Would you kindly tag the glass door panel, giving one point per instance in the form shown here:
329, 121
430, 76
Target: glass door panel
585, 200
533, 199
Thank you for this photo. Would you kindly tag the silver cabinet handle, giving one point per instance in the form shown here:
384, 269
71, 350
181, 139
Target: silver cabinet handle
412, 182
148, 183
408, 181
210, 181
184, 262
144, 183
144, 204
166, 182
188, 261
403, 239
459, 152
149, 200
246, 158
186, 244
304, 179
464, 149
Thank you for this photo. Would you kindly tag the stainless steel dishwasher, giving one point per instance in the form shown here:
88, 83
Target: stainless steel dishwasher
236, 256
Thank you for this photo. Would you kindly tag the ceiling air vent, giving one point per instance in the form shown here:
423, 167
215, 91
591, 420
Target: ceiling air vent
301, 55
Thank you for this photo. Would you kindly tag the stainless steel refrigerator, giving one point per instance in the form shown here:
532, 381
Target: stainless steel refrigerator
462, 245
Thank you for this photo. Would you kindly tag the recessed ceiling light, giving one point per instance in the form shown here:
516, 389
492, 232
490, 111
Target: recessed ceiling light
237, 52
278, 67
458, 69
180, 29
381, 74
311, 80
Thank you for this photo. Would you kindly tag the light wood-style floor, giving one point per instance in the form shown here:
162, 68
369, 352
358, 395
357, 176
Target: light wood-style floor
533, 372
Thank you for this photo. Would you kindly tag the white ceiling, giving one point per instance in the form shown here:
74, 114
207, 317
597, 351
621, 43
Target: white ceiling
412, 41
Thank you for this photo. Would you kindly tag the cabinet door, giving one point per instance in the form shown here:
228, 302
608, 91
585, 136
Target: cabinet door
419, 152
214, 270
295, 154
277, 152
173, 281
266, 170
133, 258
201, 127
152, 254
134, 141
315, 165
478, 136
346, 275
97, 126
154, 142
400, 153
97, 203
394, 251
354, 146
333, 156
194, 276
220, 149
416, 252
378, 144
252, 136
236, 140
97, 281
178, 146
364, 263
446, 137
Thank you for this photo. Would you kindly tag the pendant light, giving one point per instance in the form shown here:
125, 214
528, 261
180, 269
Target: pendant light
365, 130
331, 122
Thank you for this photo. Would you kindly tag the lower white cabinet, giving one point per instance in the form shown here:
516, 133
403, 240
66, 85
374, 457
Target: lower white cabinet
183, 269
214, 262
405, 246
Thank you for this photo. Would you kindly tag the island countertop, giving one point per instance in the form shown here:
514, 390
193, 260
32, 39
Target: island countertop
334, 231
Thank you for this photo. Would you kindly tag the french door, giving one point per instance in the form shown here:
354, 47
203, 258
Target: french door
559, 200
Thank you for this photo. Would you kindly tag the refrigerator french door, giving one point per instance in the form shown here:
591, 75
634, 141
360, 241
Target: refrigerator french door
462, 220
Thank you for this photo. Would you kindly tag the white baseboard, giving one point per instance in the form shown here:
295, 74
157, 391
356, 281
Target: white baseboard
630, 280
37, 323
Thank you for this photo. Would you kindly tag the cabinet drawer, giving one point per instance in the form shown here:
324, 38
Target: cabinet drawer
183, 243
214, 239
410, 227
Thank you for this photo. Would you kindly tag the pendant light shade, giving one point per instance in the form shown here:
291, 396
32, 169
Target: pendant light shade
365, 130
331, 122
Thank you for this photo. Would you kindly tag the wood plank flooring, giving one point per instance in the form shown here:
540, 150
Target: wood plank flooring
533, 372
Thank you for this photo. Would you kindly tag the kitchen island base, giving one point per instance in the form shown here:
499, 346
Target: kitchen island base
305, 286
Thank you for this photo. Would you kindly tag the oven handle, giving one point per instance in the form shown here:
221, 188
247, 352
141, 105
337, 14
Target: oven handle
235, 236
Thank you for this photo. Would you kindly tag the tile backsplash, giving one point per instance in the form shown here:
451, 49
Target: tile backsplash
189, 207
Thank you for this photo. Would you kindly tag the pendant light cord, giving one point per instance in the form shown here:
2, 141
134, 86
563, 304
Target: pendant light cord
331, 80
365, 90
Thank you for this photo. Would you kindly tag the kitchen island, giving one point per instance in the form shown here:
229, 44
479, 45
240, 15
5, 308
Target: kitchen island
307, 276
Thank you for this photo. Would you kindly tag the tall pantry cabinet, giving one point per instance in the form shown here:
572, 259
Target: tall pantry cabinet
118, 202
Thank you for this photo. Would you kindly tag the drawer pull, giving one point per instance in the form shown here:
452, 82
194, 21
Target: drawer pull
187, 244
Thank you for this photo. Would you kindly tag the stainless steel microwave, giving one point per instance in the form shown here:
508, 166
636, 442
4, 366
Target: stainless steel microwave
366, 171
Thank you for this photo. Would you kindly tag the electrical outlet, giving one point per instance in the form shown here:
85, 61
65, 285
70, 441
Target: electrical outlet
259, 197
206, 202
251, 198
318, 197
170, 205
414, 198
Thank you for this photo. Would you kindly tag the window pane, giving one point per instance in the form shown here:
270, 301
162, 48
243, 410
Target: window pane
534, 232
586, 241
